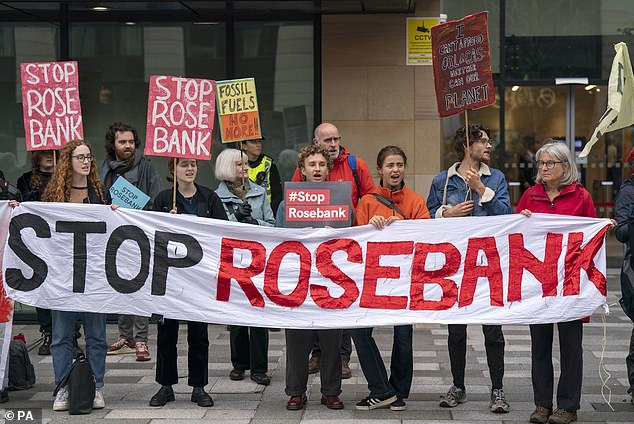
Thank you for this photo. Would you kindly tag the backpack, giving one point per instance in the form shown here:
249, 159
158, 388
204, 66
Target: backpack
21, 371
352, 162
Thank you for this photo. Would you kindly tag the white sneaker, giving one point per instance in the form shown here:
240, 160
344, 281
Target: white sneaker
98, 403
61, 400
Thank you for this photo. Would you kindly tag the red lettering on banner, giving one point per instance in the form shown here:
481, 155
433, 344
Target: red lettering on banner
328, 269
421, 277
243, 276
271, 286
374, 271
472, 271
545, 271
577, 258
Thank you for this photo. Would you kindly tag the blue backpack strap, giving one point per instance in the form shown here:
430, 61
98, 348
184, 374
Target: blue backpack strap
352, 162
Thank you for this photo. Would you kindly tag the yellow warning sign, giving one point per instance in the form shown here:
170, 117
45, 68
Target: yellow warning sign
419, 40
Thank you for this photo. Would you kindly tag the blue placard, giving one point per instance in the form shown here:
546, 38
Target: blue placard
126, 195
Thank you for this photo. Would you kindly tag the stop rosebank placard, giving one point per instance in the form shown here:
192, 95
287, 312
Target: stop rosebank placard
318, 205
462, 64
50, 102
180, 117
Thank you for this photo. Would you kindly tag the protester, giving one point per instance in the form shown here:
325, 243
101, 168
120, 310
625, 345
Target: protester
75, 180
314, 164
32, 184
246, 202
125, 161
263, 171
556, 192
191, 199
391, 201
624, 212
471, 188
345, 167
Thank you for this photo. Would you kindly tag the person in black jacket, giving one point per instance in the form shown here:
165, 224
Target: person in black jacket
624, 212
192, 199
32, 184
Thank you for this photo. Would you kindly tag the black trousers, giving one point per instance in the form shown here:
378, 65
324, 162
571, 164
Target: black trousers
571, 359
45, 320
629, 361
494, 346
197, 353
298, 346
249, 348
346, 345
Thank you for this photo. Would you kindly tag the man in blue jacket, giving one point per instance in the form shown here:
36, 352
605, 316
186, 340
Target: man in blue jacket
471, 188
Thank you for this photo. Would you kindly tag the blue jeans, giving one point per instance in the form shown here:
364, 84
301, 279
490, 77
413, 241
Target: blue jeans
63, 339
401, 366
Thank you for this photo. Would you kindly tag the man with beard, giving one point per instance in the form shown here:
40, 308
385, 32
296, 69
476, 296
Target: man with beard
471, 188
124, 160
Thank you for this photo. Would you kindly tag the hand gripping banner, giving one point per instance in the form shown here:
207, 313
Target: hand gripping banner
495, 270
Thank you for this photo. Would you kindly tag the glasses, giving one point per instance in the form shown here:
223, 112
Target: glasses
549, 164
84, 158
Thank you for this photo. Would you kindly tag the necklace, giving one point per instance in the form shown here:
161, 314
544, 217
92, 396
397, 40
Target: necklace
79, 188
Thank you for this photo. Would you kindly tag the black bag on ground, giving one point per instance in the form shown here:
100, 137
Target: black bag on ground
21, 371
81, 387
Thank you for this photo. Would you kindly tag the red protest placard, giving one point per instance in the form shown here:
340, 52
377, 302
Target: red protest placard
462, 64
50, 102
180, 117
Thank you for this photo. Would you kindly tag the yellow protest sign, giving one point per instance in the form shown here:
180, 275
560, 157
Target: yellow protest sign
419, 40
237, 105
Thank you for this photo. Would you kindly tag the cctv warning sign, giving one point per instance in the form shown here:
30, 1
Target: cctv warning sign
419, 40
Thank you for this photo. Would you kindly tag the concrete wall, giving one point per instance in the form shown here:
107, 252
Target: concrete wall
374, 98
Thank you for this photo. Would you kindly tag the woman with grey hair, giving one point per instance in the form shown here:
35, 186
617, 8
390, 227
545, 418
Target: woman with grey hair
245, 202
556, 192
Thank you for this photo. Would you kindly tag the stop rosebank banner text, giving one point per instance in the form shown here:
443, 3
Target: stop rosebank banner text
495, 270
238, 110
50, 102
180, 117
462, 64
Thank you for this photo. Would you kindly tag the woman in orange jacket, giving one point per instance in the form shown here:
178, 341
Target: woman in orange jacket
390, 201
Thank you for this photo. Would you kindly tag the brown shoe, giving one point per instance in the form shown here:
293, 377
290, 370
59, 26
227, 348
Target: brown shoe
561, 416
295, 403
313, 365
540, 415
142, 352
331, 402
120, 347
346, 372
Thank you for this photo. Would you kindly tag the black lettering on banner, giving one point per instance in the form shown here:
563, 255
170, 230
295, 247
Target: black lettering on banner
14, 276
162, 261
118, 236
79, 231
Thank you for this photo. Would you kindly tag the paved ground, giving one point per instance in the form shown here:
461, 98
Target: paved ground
129, 385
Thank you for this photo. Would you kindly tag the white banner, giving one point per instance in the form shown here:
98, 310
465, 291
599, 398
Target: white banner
495, 270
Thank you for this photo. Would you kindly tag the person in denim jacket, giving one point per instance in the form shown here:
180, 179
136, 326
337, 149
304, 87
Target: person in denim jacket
471, 188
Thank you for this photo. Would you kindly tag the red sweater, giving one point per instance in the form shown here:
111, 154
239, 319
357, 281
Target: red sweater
410, 203
573, 200
341, 171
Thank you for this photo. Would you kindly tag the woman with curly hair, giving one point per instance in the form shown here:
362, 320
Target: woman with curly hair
76, 180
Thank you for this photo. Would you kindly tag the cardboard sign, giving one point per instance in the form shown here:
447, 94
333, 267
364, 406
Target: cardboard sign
462, 65
419, 49
238, 110
126, 195
180, 117
317, 205
50, 101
